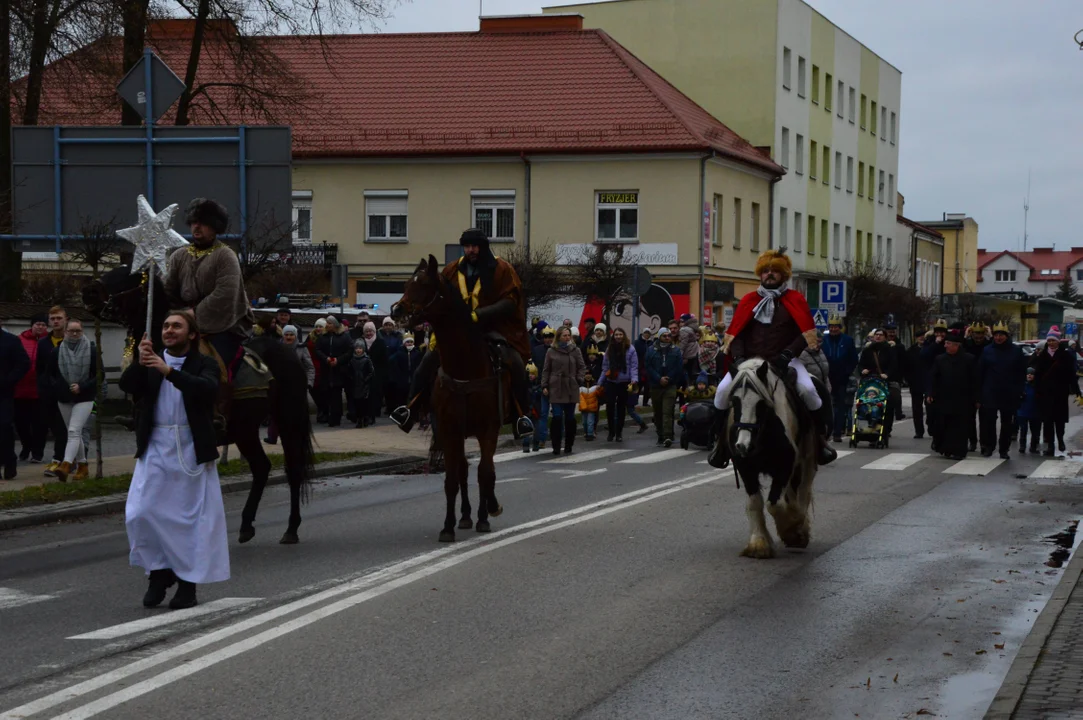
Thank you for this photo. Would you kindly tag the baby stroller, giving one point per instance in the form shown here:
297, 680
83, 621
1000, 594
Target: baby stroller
695, 420
870, 406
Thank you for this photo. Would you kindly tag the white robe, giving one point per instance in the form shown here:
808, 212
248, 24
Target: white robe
174, 514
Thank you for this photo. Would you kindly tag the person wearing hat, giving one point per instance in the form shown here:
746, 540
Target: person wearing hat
841, 354
775, 324
954, 392
594, 347
317, 390
975, 342
402, 365
931, 349
334, 348
491, 288
537, 356
1002, 374
896, 347
283, 317
665, 371
1055, 378
642, 345
31, 414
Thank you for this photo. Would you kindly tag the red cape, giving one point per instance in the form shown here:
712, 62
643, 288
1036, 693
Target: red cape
795, 304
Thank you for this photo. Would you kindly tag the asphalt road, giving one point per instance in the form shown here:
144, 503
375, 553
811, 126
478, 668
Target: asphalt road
611, 587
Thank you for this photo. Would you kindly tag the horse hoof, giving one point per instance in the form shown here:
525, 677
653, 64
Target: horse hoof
796, 540
759, 549
246, 534
483, 526
289, 538
496, 513
447, 536
466, 524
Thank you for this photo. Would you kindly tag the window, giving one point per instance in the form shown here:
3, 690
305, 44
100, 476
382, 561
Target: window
883, 123
800, 76
494, 213
816, 84
888, 249
799, 160
827, 165
881, 187
1079, 275
716, 222
861, 179
892, 128
880, 248
786, 68
848, 249
785, 159
797, 227
812, 160
783, 227
872, 182
386, 212
936, 279
737, 222
823, 238
835, 242
1050, 272
872, 117
754, 231
617, 216
864, 101
839, 99
838, 170
853, 104
849, 174
891, 190
302, 217
811, 235
860, 247
868, 244
828, 89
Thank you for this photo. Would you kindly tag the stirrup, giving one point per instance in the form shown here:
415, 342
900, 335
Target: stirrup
524, 427
826, 454
402, 417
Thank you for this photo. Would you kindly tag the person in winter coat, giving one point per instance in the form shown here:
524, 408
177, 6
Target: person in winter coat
537, 356
1002, 373
895, 380
702, 390
816, 362
590, 401
14, 364
620, 367
953, 391
1028, 417
562, 375
710, 359
688, 341
665, 370
402, 366
931, 349
376, 349
641, 346
915, 380
393, 339
1055, 374
73, 374
359, 375
841, 354
531, 442
594, 346
878, 360
291, 339
975, 341
319, 397
333, 348
31, 414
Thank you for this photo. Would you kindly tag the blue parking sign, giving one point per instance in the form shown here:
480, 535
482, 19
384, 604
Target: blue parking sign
833, 295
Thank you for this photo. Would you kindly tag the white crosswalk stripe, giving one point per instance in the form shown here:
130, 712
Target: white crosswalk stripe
1058, 469
895, 461
974, 466
658, 456
11, 598
504, 457
589, 456
159, 619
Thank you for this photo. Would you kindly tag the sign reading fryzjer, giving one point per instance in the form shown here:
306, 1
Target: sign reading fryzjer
642, 254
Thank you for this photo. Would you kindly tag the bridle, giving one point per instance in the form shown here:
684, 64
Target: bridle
763, 391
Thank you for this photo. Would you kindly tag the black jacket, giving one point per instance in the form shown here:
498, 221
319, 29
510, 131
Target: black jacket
403, 366
883, 354
334, 345
1003, 372
1055, 377
41, 367
59, 389
915, 369
954, 386
197, 381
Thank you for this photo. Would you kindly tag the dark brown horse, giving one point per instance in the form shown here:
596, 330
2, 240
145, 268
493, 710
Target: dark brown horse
119, 296
466, 394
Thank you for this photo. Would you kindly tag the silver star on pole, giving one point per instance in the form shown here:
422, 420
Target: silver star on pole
153, 236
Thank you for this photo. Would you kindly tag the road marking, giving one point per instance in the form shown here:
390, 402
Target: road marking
366, 587
11, 598
508, 480
584, 457
844, 453
657, 456
505, 457
895, 461
974, 466
1060, 469
577, 473
159, 619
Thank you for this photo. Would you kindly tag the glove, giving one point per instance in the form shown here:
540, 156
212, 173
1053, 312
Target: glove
782, 360
734, 364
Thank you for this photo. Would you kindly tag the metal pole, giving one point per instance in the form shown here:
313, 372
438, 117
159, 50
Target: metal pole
58, 217
149, 97
150, 293
243, 160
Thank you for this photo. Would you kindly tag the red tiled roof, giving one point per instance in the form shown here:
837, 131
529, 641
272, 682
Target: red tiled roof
460, 93
1037, 260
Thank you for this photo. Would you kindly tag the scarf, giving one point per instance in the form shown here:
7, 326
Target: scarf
708, 359
74, 360
765, 308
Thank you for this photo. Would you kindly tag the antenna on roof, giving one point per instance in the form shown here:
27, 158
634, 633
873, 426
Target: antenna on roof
1026, 211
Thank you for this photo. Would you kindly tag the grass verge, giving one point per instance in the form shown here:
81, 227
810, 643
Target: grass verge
54, 492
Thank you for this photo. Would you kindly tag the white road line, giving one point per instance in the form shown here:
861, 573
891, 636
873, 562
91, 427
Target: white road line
508, 480
505, 457
165, 618
657, 456
378, 581
588, 456
895, 461
11, 598
1060, 469
974, 466
844, 453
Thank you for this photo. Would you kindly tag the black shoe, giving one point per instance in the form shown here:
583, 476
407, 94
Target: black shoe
609, 438
837, 438
567, 451
269, 441
403, 417
659, 441
1022, 449
1004, 455
642, 429
588, 438
973, 447
556, 449
987, 453
526, 449
321, 419
668, 442
826, 454
1034, 449
1060, 444
160, 581
919, 437
185, 596
9, 472
959, 457
24, 455
1048, 452
620, 439
524, 427
900, 416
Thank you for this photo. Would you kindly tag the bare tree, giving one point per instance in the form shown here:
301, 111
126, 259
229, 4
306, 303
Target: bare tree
873, 295
601, 273
54, 287
542, 280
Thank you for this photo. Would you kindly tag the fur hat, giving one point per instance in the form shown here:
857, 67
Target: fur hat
474, 236
207, 212
775, 260
954, 336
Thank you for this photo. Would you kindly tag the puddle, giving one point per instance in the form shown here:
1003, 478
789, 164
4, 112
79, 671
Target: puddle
968, 695
1063, 541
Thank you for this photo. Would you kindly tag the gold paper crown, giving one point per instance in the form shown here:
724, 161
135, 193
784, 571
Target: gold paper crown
834, 319
1000, 326
531, 369
941, 324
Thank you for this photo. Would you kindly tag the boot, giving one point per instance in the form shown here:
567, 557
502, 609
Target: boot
720, 454
1060, 442
82, 471
160, 581
826, 454
556, 427
185, 596
569, 434
1048, 452
64, 469
1022, 441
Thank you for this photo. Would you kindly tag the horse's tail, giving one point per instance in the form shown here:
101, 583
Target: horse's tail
289, 408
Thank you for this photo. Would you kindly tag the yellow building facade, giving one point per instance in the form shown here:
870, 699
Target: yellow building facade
960, 251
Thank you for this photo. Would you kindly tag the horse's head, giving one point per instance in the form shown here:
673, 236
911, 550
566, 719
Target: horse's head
421, 297
752, 401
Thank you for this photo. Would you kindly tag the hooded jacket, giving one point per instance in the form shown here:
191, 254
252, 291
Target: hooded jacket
563, 374
665, 362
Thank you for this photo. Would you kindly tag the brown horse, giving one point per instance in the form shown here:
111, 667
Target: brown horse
466, 395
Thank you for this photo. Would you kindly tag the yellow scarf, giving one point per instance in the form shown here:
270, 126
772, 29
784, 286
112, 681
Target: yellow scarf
469, 296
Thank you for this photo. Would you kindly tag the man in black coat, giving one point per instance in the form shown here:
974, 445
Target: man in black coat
1002, 371
954, 393
975, 342
895, 381
14, 363
931, 349
915, 380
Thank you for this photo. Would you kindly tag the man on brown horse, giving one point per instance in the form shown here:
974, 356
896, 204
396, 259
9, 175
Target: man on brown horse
491, 287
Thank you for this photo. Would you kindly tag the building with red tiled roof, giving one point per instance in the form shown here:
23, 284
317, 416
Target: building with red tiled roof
1037, 272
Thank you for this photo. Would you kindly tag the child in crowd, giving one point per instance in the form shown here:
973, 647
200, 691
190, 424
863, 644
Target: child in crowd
633, 396
589, 400
702, 390
359, 375
531, 442
1028, 416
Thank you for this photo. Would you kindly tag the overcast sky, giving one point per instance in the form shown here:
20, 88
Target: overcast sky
991, 89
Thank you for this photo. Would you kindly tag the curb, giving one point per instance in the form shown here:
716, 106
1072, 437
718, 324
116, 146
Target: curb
45, 514
1015, 682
